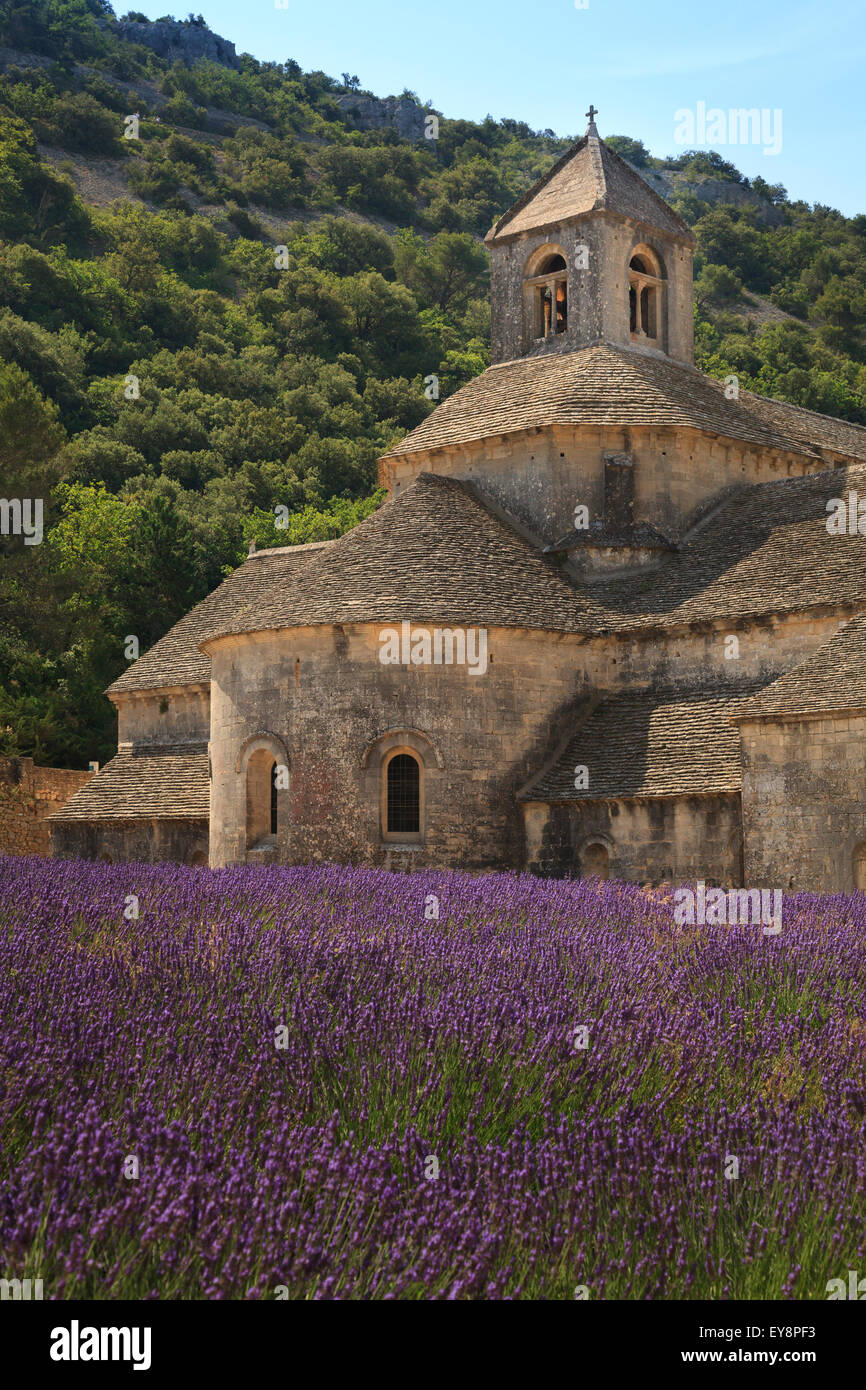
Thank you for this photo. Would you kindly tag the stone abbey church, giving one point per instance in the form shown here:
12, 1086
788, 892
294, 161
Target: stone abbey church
610, 621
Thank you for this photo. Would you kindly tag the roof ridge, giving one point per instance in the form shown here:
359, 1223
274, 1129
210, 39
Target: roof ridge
802, 409
535, 188
656, 196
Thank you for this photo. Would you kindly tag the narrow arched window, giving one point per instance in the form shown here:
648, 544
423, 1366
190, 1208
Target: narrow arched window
403, 813
645, 289
859, 867
547, 287
261, 797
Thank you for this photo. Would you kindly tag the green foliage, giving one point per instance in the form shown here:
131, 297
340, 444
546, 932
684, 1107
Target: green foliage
35, 206
635, 151
716, 284
309, 524
80, 122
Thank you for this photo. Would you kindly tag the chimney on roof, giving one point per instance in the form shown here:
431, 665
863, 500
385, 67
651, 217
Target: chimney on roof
252, 549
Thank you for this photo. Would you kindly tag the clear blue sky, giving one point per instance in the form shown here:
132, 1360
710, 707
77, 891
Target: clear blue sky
543, 61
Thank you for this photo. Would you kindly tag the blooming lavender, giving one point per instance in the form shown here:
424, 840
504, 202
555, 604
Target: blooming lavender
298, 1083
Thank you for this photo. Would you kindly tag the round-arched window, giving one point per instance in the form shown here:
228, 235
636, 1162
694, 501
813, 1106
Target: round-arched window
645, 289
546, 287
403, 796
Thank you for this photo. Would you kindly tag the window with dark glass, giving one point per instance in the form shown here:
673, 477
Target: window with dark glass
404, 795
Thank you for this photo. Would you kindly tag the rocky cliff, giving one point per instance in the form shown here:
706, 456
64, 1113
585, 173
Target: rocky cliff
402, 114
177, 41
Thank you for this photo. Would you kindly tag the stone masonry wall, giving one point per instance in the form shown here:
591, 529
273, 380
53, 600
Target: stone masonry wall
27, 795
804, 801
141, 841
325, 695
539, 476
171, 715
672, 839
598, 296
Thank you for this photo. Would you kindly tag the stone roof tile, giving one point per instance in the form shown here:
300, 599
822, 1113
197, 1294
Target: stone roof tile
616, 387
832, 678
170, 781
175, 659
589, 177
433, 553
765, 550
655, 743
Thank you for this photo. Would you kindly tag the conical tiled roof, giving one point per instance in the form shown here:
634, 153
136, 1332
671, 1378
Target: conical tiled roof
620, 387
175, 659
589, 177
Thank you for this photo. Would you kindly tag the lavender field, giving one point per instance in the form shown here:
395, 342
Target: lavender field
299, 1083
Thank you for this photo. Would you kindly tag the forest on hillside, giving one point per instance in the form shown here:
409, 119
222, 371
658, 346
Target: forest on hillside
169, 378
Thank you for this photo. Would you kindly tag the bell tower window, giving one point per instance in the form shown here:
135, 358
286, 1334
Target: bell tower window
547, 290
645, 290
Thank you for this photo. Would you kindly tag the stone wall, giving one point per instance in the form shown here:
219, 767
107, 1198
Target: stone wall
696, 656
804, 801
539, 476
141, 841
662, 839
179, 714
321, 699
27, 795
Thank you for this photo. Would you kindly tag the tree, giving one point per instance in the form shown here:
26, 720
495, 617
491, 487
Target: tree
635, 151
452, 266
30, 434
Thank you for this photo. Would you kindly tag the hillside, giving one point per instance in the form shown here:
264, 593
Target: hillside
242, 307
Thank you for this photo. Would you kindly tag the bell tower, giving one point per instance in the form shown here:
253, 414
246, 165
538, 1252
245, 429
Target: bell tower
591, 254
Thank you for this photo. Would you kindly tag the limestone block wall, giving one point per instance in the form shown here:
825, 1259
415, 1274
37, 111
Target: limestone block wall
804, 801
696, 656
179, 714
672, 839
323, 696
27, 795
510, 334
539, 476
144, 841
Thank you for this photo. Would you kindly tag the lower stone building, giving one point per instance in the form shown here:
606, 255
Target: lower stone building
609, 620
